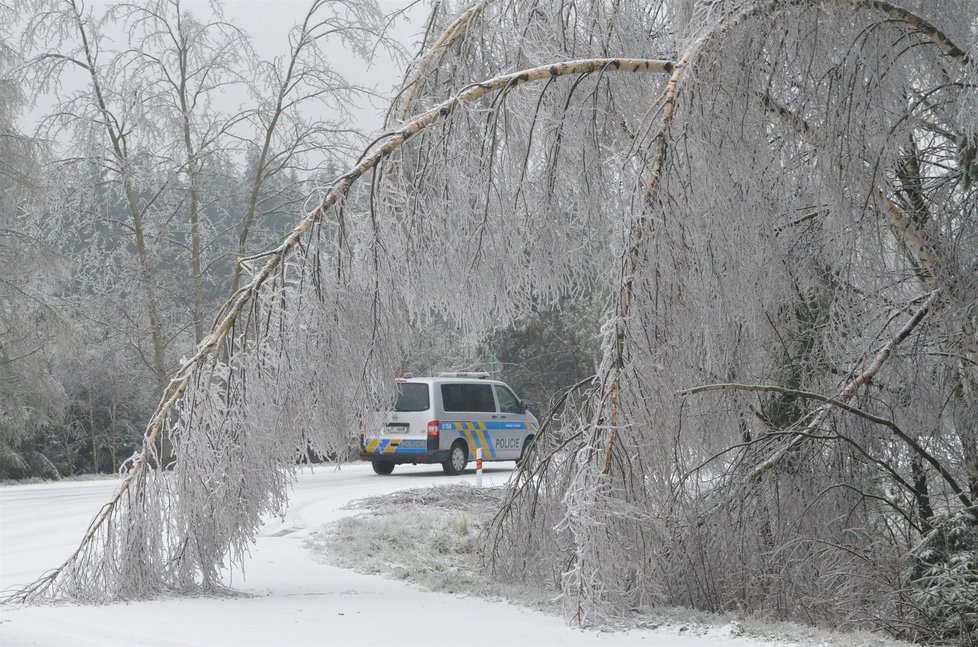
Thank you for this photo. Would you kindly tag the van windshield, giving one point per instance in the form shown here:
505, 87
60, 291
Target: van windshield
412, 396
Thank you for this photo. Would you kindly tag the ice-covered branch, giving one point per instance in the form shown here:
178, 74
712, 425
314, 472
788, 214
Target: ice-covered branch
848, 408
851, 387
453, 32
53, 584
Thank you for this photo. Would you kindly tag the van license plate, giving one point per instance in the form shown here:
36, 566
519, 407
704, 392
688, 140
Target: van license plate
397, 428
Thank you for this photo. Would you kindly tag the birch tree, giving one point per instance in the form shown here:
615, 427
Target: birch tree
99, 121
303, 104
191, 62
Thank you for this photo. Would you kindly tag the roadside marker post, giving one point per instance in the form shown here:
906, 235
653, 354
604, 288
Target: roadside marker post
478, 467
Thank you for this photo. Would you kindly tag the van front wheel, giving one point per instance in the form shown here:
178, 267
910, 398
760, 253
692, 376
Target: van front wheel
382, 467
458, 458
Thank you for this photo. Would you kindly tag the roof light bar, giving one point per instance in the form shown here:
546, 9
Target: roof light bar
478, 375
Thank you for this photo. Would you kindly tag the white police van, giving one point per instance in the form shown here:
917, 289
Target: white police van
445, 419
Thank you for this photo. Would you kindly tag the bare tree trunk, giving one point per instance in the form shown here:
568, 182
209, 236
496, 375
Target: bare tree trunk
195, 250
193, 163
92, 432
113, 438
253, 197
921, 492
66, 446
147, 275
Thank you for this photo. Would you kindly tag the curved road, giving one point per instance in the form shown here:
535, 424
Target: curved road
291, 597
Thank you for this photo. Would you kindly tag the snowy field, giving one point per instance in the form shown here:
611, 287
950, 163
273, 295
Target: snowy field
290, 597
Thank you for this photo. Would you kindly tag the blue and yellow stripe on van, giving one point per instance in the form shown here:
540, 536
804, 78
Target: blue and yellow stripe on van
478, 434
396, 446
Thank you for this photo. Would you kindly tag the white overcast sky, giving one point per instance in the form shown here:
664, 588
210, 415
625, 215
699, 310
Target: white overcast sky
268, 23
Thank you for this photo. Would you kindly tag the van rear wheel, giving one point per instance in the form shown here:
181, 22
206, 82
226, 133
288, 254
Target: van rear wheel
382, 467
458, 458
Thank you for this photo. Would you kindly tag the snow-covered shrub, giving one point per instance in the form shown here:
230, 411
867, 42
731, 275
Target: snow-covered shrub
944, 580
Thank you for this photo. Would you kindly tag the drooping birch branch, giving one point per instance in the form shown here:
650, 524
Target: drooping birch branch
276, 257
892, 11
452, 33
695, 51
899, 221
844, 406
637, 233
599, 519
852, 386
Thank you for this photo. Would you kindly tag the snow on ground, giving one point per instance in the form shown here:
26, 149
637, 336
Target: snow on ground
291, 597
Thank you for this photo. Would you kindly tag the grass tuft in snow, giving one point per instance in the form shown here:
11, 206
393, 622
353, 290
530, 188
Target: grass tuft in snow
429, 537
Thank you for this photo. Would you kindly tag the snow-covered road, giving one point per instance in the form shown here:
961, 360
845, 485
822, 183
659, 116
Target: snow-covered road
293, 599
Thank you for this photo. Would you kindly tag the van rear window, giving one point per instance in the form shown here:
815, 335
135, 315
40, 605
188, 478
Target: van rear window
468, 397
412, 396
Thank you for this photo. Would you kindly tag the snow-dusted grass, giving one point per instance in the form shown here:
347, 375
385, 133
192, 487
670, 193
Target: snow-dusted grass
431, 538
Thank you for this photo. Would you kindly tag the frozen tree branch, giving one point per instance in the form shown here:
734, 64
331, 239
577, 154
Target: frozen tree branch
453, 32
848, 408
638, 231
888, 9
852, 387
849, 120
53, 584
896, 13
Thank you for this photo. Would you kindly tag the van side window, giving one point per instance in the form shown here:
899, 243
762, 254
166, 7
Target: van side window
467, 397
508, 403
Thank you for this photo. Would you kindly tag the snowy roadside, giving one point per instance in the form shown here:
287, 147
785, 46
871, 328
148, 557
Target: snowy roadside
430, 537
289, 597
295, 593
74, 478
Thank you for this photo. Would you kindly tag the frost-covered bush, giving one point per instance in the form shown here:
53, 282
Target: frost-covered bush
428, 536
943, 587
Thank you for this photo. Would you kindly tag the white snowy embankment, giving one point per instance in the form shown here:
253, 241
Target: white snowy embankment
290, 596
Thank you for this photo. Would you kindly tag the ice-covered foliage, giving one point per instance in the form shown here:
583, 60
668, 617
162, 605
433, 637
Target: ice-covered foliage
430, 537
811, 230
944, 579
777, 200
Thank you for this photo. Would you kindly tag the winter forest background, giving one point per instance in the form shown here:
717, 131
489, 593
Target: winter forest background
728, 249
109, 280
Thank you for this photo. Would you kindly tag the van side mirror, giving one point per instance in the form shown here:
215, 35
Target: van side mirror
524, 407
